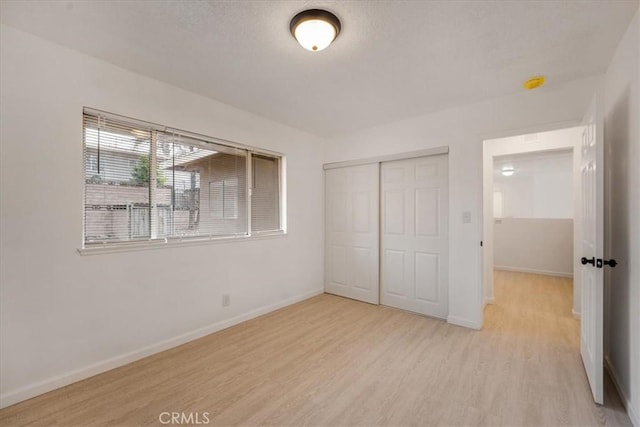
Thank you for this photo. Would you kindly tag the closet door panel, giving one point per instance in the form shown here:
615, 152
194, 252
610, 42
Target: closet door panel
414, 237
352, 232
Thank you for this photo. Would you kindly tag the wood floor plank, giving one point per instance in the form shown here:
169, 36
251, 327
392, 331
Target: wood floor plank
331, 361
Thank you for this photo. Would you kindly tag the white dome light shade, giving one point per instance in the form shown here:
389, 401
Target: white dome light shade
315, 34
507, 170
315, 29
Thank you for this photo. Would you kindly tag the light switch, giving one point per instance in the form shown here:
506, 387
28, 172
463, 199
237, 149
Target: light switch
466, 217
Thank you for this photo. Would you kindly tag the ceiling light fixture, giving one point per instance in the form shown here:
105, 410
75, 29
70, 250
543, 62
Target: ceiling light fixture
315, 29
507, 170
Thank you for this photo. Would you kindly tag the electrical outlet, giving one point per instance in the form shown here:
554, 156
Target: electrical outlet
466, 217
226, 300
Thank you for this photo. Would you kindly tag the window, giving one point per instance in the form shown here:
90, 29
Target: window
145, 182
223, 198
265, 200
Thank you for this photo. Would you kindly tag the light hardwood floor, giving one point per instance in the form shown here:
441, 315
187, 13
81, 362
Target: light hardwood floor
333, 361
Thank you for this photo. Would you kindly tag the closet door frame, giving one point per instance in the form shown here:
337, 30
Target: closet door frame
372, 160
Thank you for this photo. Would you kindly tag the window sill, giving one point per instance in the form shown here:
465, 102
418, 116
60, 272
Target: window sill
110, 248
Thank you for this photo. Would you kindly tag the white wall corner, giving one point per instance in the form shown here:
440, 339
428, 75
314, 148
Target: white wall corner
632, 412
41, 387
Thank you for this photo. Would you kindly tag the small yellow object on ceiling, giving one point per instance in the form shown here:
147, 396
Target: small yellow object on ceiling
534, 82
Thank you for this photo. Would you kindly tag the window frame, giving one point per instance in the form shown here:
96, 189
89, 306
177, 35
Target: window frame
281, 193
173, 241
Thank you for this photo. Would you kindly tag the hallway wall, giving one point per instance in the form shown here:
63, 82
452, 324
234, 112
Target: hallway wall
534, 245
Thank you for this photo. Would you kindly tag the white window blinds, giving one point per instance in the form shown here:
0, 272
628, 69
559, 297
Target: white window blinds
116, 180
196, 174
265, 199
148, 183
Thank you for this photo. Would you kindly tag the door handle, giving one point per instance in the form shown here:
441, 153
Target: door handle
586, 261
610, 262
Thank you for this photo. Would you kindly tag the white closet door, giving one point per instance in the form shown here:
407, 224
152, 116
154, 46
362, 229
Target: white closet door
414, 241
352, 232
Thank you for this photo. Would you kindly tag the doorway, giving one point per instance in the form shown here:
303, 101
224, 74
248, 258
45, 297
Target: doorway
587, 143
533, 213
527, 218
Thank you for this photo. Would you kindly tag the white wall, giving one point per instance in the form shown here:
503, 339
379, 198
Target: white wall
541, 186
463, 129
534, 245
622, 139
64, 316
552, 195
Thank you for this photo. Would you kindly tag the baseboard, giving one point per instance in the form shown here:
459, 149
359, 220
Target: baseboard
459, 321
534, 271
58, 381
489, 300
631, 412
575, 314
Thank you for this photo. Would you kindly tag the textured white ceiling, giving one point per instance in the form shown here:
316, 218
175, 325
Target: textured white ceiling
393, 59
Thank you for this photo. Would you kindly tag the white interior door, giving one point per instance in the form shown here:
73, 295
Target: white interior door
352, 232
592, 177
414, 236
